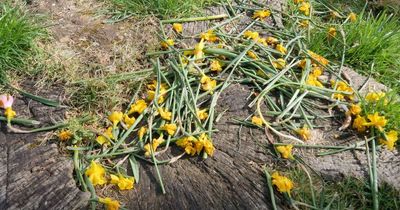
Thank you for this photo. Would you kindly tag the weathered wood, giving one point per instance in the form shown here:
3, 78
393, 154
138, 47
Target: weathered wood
33, 174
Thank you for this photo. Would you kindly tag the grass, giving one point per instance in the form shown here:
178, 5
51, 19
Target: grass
348, 193
162, 8
370, 41
18, 33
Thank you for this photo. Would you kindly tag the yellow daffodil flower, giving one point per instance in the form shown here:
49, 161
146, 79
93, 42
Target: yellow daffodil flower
188, 143
151, 94
209, 36
281, 49
317, 71
284, 184
355, 109
359, 124
304, 133
312, 80
141, 132
304, 23
377, 121
251, 35
252, 54
280, 63
138, 107
124, 183
105, 138
285, 151
177, 27
155, 144
318, 58
302, 64
207, 84
257, 121
206, 143
298, 1
128, 121
305, 8
272, 40
169, 128
202, 114
373, 97
331, 32
65, 135
352, 17
167, 43
391, 139
96, 174
215, 66
262, 14
198, 50
165, 114
115, 117
110, 203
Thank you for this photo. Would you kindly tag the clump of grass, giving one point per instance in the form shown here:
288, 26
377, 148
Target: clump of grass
18, 32
372, 40
348, 193
162, 8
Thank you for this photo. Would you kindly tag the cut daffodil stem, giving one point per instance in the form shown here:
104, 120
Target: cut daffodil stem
319, 146
194, 19
270, 188
42, 100
21, 121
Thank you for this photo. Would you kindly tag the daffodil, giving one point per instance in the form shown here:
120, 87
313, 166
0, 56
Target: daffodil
318, 58
285, 151
317, 71
257, 121
305, 8
373, 97
298, 1
215, 65
167, 43
304, 133
202, 114
209, 36
198, 50
138, 107
252, 54
169, 128
352, 17
262, 14
177, 27
302, 64
390, 139
110, 203
129, 121
207, 84
96, 174
304, 23
280, 48
153, 147
165, 114
312, 80
6, 102
284, 184
251, 35
206, 143
105, 137
376, 120
141, 132
115, 117
188, 144
65, 135
272, 40
355, 109
359, 124
124, 183
279, 63
331, 32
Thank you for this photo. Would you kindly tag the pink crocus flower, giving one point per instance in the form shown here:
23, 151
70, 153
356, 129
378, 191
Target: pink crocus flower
6, 101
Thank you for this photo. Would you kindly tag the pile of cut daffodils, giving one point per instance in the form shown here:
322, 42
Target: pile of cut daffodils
291, 85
